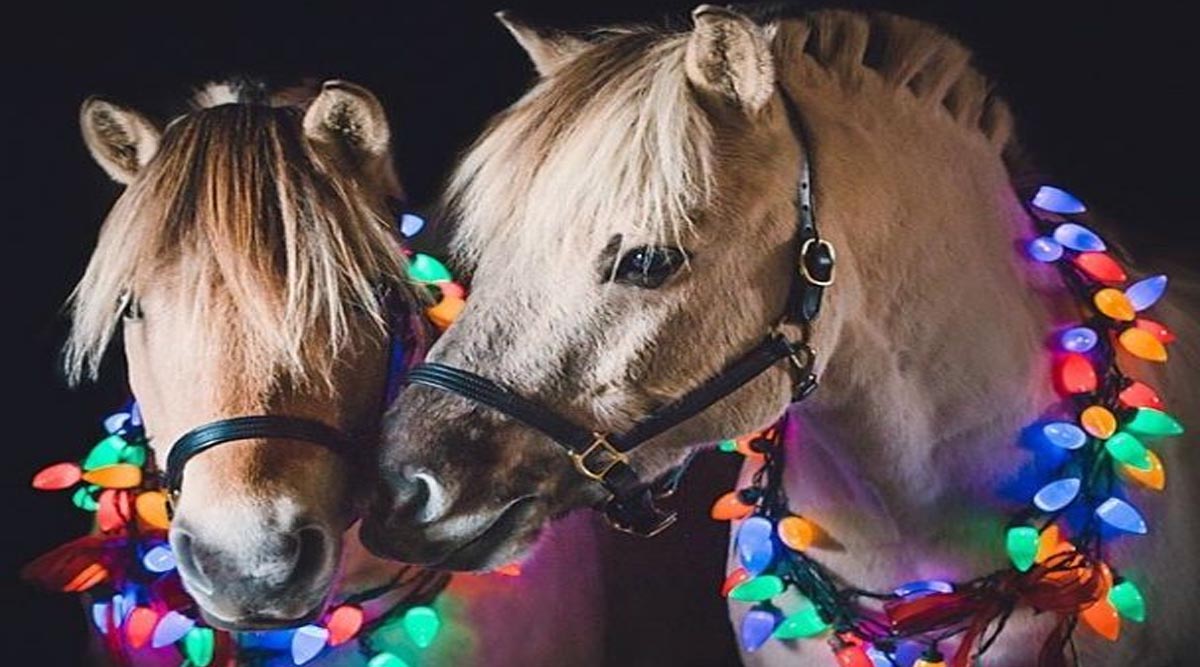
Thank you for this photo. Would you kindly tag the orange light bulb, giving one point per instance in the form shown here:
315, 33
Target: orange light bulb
1142, 344
797, 533
115, 476
1114, 304
1154, 479
1099, 421
730, 507
152, 509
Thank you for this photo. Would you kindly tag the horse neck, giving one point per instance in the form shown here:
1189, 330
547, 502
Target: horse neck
932, 340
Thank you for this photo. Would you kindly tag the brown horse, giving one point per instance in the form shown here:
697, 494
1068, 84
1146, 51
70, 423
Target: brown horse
631, 228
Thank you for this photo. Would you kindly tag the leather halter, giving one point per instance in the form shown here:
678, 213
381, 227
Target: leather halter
603, 457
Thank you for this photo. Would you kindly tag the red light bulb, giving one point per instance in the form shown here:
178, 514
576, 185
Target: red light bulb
1075, 375
343, 624
1140, 395
1100, 266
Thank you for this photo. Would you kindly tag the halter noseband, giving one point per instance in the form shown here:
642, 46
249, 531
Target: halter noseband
603, 457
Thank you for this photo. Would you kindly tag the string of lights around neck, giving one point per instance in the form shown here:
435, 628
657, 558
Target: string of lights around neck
127, 568
1055, 546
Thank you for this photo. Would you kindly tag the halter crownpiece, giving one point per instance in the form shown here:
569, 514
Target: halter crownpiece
604, 457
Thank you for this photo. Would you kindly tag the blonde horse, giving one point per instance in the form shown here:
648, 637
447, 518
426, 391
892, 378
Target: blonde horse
246, 267
631, 228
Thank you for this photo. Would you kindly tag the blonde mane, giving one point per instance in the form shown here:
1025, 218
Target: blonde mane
256, 232
616, 133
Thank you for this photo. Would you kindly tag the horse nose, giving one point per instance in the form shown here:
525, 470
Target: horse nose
265, 578
419, 493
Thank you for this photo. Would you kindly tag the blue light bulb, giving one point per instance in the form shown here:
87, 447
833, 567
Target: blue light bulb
923, 587
1057, 494
1057, 200
757, 626
1045, 249
1078, 339
1145, 293
170, 629
1122, 516
308, 641
100, 616
159, 559
411, 224
755, 547
114, 423
1078, 237
1065, 435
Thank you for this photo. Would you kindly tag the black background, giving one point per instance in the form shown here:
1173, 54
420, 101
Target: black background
1103, 92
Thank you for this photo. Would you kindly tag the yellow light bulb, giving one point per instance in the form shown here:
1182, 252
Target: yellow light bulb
1098, 421
1114, 304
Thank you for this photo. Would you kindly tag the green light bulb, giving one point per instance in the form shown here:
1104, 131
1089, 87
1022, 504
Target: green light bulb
760, 588
1128, 601
805, 622
424, 269
198, 646
84, 499
1022, 545
106, 452
386, 660
727, 446
1151, 422
1129, 450
133, 455
422, 624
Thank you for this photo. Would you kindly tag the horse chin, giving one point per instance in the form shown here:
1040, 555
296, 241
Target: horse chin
260, 623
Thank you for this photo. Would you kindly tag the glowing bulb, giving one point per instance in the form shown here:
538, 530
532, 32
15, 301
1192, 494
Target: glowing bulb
1122, 516
1021, 542
1078, 339
114, 510
1154, 479
425, 269
1098, 421
1102, 618
852, 655
1065, 435
804, 622
386, 659
159, 559
115, 476
115, 423
140, 626
308, 642
105, 453
198, 645
100, 614
1156, 329
1147, 292
1153, 423
452, 289
1076, 375
915, 589
730, 507
56, 477
445, 312
411, 224
1129, 450
84, 499
755, 549
760, 588
1056, 495
1050, 542
89, 576
1114, 304
171, 628
508, 570
733, 580
1128, 601
151, 507
757, 626
1078, 237
1142, 344
1057, 200
1140, 395
1100, 266
1045, 249
727, 446
930, 658
422, 624
796, 533
344, 623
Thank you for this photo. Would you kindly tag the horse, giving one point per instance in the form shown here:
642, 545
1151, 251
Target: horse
630, 226
252, 269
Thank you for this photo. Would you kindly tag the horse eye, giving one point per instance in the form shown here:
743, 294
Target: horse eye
648, 266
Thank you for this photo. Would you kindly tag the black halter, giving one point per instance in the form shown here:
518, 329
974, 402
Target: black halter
603, 457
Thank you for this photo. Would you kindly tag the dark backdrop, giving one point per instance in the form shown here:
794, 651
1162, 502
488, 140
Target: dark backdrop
1103, 95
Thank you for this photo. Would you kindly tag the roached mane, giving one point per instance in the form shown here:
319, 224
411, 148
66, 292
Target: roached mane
266, 245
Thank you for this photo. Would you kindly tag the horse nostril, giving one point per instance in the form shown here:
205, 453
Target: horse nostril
185, 561
418, 491
312, 550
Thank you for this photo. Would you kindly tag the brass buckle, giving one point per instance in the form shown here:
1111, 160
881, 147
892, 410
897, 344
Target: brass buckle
600, 441
804, 265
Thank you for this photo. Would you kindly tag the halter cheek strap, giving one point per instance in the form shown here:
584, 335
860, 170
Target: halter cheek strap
603, 457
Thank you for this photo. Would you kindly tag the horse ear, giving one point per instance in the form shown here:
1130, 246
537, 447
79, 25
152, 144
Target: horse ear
548, 49
121, 140
347, 122
729, 57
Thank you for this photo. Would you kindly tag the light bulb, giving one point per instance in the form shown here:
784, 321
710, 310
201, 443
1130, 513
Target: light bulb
759, 589
1102, 618
1114, 304
796, 533
1056, 495
1128, 601
1065, 435
1153, 423
1098, 420
1045, 249
733, 580
198, 646
1076, 374
308, 642
1147, 292
425, 269
1078, 339
151, 507
757, 626
1057, 200
104, 453
1021, 542
411, 224
140, 626
1078, 237
115, 476
344, 623
1122, 516
1142, 344
159, 559
804, 622
422, 624
1156, 329
1140, 395
1129, 450
755, 548
56, 477
1100, 266
1154, 479
170, 629
730, 507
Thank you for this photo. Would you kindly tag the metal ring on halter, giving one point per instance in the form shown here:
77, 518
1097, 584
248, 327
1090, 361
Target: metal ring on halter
830, 253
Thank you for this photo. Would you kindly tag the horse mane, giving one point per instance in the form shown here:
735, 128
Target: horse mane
257, 233
617, 132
